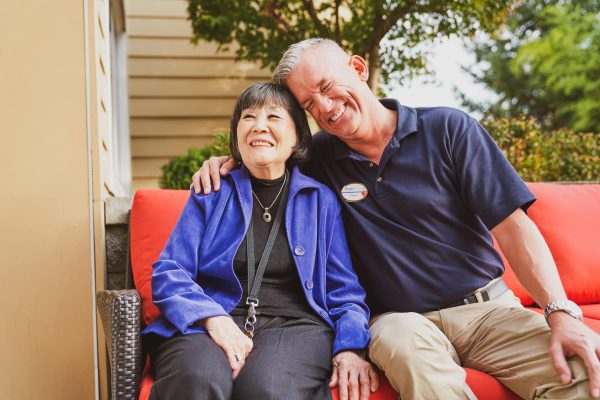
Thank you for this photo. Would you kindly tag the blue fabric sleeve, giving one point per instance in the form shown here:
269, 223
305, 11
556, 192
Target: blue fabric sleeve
487, 182
174, 288
344, 296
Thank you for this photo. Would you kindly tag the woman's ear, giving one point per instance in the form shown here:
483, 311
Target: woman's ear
358, 64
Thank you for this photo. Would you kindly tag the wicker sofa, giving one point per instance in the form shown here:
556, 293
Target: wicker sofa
567, 215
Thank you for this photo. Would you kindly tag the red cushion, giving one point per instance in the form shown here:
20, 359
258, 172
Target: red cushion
488, 388
483, 385
568, 216
147, 381
591, 311
153, 216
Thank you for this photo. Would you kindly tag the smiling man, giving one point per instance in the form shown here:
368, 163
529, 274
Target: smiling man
423, 190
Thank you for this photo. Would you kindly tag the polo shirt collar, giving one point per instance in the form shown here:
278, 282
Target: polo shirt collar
405, 125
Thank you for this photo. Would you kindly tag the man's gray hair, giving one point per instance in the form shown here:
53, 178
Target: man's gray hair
293, 54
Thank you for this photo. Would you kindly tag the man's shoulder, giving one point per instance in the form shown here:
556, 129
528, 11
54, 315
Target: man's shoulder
443, 115
447, 119
321, 188
321, 138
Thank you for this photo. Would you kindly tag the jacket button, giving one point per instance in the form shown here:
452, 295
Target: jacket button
309, 284
299, 250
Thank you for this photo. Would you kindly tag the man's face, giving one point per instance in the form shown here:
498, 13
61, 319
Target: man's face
327, 84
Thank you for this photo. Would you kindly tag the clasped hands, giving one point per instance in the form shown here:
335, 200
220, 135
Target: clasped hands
354, 377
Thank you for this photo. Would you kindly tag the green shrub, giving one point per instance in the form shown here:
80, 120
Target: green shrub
539, 155
536, 154
177, 173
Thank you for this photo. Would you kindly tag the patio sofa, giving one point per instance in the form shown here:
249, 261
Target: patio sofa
567, 215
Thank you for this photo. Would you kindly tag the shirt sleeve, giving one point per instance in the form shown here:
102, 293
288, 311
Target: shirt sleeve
487, 182
344, 295
180, 299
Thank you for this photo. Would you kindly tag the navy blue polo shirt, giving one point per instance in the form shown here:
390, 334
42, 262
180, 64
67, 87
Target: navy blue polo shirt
420, 238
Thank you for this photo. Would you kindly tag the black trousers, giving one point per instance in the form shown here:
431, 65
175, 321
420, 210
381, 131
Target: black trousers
291, 359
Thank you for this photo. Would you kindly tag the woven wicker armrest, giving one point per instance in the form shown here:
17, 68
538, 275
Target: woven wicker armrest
120, 314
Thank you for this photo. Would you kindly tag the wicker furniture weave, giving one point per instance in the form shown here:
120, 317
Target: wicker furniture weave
120, 313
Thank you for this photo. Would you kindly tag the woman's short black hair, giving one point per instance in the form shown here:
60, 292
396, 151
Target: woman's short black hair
267, 93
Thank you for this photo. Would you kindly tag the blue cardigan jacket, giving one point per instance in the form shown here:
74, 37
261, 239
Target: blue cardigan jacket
194, 277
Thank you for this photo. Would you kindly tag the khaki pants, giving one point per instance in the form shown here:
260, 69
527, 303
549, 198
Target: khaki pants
422, 354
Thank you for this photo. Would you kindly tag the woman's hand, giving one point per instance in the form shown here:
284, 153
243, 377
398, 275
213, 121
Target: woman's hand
231, 339
354, 376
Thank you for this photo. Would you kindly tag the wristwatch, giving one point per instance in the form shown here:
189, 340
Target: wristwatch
566, 306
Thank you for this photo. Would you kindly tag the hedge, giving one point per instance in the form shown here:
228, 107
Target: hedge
536, 154
540, 155
177, 173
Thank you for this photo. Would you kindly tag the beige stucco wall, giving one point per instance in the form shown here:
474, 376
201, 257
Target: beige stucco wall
180, 95
51, 233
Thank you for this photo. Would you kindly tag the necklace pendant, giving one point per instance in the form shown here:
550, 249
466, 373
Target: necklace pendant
267, 216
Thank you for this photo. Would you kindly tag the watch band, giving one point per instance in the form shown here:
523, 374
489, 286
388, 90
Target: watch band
563, 305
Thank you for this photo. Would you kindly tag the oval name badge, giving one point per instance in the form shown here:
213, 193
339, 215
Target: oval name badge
354, 192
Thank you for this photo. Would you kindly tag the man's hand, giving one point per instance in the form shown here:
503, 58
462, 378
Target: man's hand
354, 377
226, 334
571, 337
212, 170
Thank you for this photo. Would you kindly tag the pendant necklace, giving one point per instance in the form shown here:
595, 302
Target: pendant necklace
266, 215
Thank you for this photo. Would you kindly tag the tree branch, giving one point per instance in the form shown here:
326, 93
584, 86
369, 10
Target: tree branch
310, 7
271, 11
338, 36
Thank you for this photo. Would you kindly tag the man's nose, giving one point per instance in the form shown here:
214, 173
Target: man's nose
324, 103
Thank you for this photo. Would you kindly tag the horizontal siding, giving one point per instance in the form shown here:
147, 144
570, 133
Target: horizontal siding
149, 167
194, 68
156, 8
188, 87
163, 27
165, 147
178, 107
144, 183
180, 94
176, 47
177, 127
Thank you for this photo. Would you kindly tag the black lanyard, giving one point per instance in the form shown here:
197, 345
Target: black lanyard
255, 277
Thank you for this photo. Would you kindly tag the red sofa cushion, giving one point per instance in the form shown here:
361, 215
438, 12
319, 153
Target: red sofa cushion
568, 216
591, 311
153, 216
483, 385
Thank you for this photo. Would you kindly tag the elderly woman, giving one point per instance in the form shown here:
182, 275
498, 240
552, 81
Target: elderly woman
255, 285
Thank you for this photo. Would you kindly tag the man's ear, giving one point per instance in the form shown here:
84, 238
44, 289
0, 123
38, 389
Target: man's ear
358, 64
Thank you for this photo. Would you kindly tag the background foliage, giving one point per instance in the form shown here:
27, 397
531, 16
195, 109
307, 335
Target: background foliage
536, 154
545, 63
265, 28
177, 173
540, 155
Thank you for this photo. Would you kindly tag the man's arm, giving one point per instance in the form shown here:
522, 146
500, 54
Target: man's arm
531, 260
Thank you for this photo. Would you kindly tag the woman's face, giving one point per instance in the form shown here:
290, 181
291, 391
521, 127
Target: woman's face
266, 136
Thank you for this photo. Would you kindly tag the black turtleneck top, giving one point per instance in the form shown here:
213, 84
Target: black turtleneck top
281, 291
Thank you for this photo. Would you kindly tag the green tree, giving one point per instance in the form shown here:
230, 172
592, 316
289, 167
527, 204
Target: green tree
545, 63
391, 35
